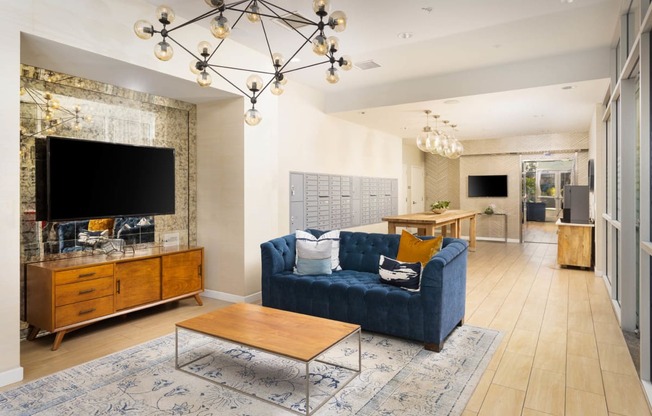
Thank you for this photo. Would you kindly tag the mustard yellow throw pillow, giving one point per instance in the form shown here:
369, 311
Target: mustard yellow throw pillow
413, 249
101, 224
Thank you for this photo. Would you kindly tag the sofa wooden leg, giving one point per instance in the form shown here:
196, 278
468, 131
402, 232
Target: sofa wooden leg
434, 347
461, 322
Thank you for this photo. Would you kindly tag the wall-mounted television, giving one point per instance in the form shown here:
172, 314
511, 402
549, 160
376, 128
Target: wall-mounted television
487, 186
92, 179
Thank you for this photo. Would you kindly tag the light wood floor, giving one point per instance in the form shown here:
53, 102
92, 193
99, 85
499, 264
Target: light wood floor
540, 232
562, 351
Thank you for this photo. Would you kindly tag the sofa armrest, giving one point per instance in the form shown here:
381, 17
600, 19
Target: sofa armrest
277, 255
443, 289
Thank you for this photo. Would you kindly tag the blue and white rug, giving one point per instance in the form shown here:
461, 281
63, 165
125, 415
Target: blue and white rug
398, 377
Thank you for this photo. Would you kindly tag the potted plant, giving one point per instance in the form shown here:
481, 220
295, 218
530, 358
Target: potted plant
439, 207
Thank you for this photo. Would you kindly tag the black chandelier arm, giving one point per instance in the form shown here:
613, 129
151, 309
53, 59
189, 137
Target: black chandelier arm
307, 66
303, 20
235, 68
231, 83
307, 41
274, 16
232, 26
195, 20
184, 48
37, 99
65, 110
269, 47
50, 126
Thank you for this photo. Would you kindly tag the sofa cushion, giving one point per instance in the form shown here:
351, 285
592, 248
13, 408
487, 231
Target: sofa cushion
401, 274
412, 248
317, 235
313, 255
101, 224
361, 251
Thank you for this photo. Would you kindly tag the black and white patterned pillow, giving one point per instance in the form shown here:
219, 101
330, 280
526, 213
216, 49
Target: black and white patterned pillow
402, 274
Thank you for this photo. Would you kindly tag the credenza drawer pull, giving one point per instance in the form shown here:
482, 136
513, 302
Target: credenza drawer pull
87, 311
86, 275
87, 291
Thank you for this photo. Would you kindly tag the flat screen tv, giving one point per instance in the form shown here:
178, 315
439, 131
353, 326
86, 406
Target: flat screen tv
91, 179
487, 186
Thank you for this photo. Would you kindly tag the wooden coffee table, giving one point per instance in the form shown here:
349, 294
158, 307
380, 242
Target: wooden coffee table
291, 335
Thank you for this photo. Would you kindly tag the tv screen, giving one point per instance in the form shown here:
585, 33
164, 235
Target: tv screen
90, 179
487, 186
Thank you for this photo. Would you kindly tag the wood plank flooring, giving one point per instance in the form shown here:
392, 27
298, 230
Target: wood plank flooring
540, 232
562, 351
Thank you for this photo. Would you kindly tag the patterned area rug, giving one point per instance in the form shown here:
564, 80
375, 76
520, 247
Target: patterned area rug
398, 377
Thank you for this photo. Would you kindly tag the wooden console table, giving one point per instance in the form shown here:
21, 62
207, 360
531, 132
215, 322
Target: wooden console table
67, 294
427, 222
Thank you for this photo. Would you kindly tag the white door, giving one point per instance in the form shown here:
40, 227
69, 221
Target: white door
417, 189
404, 206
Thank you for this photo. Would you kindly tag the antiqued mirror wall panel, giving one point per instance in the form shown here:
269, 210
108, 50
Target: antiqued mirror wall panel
55, 104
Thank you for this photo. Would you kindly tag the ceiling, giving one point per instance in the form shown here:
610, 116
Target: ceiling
496, 68
450, 37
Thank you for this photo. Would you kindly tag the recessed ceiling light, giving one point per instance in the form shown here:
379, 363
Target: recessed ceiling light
566, 1
451, 102
568, 87
295, 59
405, 35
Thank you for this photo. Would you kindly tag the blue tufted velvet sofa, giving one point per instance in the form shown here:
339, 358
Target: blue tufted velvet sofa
356, 295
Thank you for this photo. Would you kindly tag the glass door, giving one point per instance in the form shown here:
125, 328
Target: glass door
550, 190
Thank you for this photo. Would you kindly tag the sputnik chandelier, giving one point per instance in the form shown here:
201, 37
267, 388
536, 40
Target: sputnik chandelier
205, 60
439, 142
52, 114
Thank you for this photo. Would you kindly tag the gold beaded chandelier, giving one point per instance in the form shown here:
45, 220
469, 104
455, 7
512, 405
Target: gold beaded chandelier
203, 62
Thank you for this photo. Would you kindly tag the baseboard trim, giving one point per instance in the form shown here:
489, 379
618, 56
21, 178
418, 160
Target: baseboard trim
497, 239
228, 297
11, 376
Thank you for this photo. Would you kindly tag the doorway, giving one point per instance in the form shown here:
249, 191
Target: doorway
417, 189
543, 183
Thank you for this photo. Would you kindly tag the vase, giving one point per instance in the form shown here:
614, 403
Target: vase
488, 211
439, 210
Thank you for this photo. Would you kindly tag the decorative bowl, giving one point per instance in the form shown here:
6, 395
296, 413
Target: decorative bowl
439, 210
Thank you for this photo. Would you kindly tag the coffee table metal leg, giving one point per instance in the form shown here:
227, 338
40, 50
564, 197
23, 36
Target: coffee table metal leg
307, 388
308, 412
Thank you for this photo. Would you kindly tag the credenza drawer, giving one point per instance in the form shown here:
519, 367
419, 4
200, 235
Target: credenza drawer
85, 273
81, 291
83, 311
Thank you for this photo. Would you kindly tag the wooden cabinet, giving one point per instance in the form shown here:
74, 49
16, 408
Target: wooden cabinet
575, 244
182, 273
63, 295
138, 282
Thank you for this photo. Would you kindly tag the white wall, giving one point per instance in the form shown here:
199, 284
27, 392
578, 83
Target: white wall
221, 194
312, 141
10, 370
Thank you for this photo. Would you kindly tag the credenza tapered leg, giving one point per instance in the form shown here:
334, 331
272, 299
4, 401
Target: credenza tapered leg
32, 332
198, 299
57, 340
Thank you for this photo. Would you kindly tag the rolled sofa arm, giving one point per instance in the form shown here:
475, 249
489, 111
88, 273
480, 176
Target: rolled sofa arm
443, 290
277, 255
